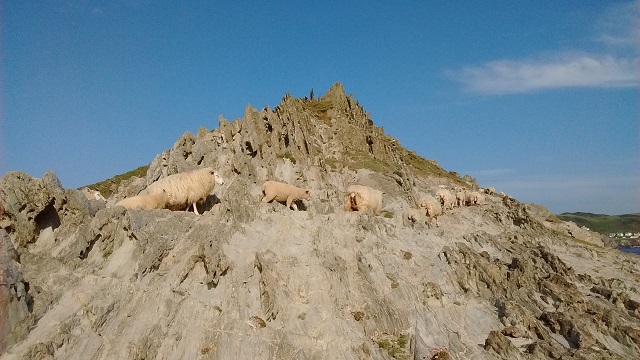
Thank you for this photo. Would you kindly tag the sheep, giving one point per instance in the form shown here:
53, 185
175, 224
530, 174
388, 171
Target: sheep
473, 198
490, 191
351, 201
92, 194
447, 199
363, 198
413, 217
431, 207
460, 198
151, 201
281, 192
186, 188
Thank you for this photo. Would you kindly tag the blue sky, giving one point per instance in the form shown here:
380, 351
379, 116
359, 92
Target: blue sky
538, 99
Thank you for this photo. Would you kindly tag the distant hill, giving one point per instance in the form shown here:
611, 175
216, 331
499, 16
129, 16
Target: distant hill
605, 224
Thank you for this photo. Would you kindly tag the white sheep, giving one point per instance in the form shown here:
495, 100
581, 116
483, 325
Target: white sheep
490, 191
473, 198
151, 201
186, 188
431, 207
281, 192
447, 199
414, 216
363, 198
92, 194
460, 198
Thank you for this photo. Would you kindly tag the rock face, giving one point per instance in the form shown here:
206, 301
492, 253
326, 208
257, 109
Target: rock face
15, 301
254, 280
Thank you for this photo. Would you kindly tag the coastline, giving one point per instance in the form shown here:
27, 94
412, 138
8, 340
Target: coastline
630, 249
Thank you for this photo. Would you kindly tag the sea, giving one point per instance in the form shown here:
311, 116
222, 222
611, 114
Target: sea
633, 250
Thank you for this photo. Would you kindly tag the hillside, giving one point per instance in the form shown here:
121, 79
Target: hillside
605, 224
251, 280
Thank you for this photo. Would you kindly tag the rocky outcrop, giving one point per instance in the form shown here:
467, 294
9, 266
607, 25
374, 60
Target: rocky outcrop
30, 205
16, 303
254, 280
567, 228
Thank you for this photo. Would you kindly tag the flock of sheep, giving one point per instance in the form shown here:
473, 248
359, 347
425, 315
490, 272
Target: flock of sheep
184, 190
445, 199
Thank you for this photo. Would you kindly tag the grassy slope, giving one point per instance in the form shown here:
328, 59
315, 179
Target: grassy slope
605, 224
110, 186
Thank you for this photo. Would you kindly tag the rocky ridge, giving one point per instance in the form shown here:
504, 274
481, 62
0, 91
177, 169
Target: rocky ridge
83, 279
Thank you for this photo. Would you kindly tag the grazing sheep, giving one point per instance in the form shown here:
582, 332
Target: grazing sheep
152, 201
447, 199
363, 198
186, 188
431, 207
280, 192
490, 191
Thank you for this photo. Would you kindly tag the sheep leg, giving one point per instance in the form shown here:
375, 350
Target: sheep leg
195, 209
346, 202
268, 198
291, 204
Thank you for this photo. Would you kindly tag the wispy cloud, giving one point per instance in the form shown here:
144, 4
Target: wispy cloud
618, 28
515, 76
620, 25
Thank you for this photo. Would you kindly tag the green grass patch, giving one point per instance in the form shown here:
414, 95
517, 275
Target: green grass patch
110, 186
319, 108
387, 214
366, 161
395, 346
333, 163
289, 156
554, 219
604, 224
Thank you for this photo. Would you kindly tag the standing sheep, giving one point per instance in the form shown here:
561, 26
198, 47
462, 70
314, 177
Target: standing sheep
460, 198
282, 192
351, 201
431, 207
447, 199
473, 198
152, 201
490, 191
186, 188
363, 198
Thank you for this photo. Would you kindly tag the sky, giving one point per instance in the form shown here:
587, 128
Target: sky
537, 99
